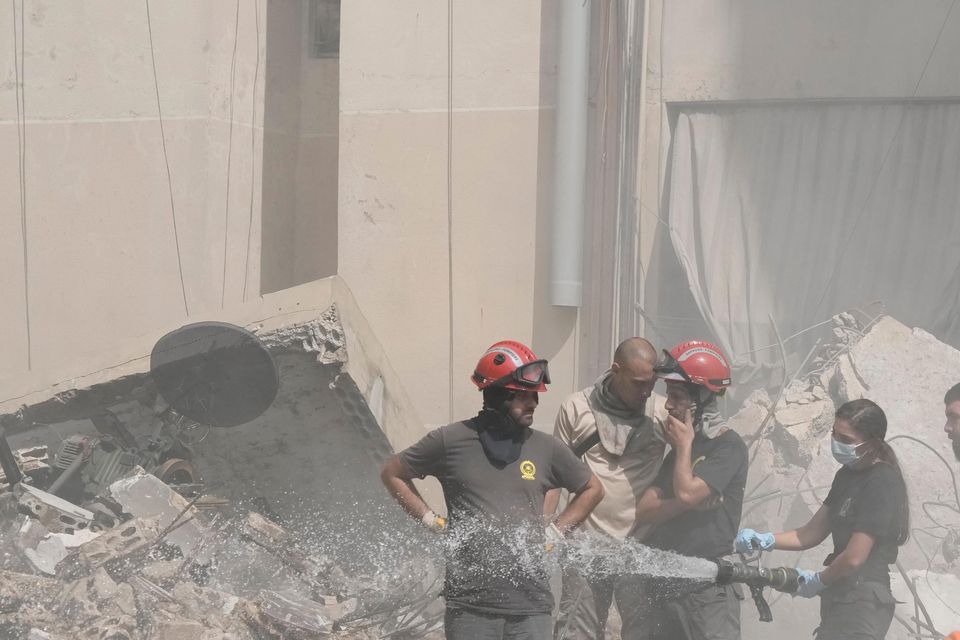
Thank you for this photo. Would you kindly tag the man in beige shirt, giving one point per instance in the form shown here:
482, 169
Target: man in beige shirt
611, 425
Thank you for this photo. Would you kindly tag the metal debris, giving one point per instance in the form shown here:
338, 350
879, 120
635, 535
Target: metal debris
167, 570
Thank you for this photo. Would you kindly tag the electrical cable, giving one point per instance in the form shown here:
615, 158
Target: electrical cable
226, 207
953, 476
450, 342
253, 148
18, 68
166, 161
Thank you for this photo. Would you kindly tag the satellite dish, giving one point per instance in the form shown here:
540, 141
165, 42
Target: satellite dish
214, 373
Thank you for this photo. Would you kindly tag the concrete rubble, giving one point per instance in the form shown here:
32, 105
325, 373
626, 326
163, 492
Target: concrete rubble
169, 571
906, 371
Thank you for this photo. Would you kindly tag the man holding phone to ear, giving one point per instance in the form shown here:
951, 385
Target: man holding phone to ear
696, 501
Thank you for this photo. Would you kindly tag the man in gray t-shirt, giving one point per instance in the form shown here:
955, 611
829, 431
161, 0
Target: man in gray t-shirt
495, 471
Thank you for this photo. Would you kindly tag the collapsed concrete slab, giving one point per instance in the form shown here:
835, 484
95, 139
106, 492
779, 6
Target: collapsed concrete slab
146, 496
906, 371
309, 464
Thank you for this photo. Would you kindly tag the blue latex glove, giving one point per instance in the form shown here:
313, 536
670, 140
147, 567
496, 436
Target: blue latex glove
749, 540
810, 585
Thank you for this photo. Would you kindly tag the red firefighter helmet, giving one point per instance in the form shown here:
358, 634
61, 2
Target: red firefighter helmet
697, 362
511, 365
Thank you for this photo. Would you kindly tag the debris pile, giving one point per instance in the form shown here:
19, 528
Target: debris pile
906, 371
142, 561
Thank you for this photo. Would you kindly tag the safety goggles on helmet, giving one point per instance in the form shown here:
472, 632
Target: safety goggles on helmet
669, 368
532, 374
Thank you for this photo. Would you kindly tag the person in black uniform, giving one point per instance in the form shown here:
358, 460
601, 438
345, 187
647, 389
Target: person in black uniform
867, 514
696, 500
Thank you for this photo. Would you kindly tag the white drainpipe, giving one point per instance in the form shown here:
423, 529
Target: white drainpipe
570, 154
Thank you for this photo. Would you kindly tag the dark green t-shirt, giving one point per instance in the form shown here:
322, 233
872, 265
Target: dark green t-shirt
495, 563
722, 463
868, 501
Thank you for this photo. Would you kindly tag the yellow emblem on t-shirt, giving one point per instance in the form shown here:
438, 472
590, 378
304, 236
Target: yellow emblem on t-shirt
697, 461
528, 470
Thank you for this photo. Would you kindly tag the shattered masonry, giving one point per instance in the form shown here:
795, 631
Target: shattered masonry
140, 560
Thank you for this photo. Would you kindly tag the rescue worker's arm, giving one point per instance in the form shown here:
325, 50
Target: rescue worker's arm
653, 508
550, 502
581, 505
850, 559
562, 428
690, 490
398, 480
808, 536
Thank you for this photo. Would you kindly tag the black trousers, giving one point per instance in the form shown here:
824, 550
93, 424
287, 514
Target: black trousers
857, 610
709, 613
461, 624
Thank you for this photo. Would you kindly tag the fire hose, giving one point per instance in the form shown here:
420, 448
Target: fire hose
784, 579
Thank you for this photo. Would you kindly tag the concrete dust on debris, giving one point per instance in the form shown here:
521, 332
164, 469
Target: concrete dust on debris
906, 371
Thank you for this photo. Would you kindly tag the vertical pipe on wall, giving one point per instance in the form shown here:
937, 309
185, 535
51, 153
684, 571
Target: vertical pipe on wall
570, 155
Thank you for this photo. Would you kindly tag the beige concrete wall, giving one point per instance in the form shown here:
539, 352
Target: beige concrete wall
761, 49
101, 251
735, 50
394, 250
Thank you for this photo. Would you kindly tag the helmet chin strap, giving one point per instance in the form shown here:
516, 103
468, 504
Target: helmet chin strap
700, 398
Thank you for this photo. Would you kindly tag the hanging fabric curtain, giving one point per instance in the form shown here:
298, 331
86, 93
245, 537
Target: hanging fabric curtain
802, 211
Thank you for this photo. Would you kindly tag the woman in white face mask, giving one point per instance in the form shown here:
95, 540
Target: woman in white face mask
868, 516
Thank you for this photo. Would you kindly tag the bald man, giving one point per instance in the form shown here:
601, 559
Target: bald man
610, 426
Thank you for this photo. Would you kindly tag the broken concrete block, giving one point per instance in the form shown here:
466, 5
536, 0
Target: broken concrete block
161, 572
275, 539
121, 629
198, 602
42, 550
939, 593
10, 603
747, 421
849, 384
264, 531
796, 414
32, 461
36, 589
79, 600
103, 585
125, 600
798, 427
179, 630
126, 538
294, 611
53, 512
147, 496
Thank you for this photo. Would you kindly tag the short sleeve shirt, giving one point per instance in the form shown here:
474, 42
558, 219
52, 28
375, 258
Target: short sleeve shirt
722, 463
867, 501
495, 515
